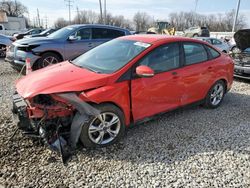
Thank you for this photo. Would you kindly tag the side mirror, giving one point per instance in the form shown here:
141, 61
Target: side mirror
144, 71
72, 38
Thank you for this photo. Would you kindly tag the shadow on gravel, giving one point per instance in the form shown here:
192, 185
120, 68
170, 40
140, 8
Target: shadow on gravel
184, 133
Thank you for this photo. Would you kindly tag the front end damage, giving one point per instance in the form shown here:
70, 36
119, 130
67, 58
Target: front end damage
56, 119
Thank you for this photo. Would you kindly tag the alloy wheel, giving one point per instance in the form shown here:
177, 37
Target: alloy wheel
217, 94
104, 128
49, 61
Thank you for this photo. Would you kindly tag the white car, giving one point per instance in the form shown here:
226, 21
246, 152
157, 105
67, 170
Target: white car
223, 46
5, 41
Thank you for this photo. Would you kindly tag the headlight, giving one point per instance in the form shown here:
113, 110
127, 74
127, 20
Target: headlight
28, 48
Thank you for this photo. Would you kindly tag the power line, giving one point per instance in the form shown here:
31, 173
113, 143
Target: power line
69, 5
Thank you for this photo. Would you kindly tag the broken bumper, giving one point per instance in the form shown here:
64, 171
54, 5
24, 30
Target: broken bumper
20, 113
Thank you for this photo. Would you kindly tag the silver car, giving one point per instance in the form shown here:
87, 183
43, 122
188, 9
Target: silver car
5, 42
64, 44
221, 45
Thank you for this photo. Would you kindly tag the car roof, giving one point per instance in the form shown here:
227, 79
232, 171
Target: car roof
96, 25
153, 39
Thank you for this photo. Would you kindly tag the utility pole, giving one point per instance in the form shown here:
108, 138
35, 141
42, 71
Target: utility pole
100, 4
236, 15
46, 21
105, 12
78, 14
196, 3
38, 18
69, 5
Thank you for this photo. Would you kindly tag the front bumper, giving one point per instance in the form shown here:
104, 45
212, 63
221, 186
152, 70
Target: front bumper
241, 71
17, 58
20, 113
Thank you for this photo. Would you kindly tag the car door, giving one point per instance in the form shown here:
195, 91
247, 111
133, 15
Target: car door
163, 91
197, 73
81, 43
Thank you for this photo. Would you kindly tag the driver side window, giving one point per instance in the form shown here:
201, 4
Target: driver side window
164, 58
83, 34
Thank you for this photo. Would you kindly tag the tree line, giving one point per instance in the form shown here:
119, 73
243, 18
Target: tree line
141, 21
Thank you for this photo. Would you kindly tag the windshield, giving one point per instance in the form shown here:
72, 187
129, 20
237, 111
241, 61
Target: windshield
111, 56
61, 33
44, 32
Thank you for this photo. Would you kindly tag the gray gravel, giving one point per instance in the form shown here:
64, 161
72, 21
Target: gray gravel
191, 147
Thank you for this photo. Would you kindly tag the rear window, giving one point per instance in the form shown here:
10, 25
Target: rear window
102, 33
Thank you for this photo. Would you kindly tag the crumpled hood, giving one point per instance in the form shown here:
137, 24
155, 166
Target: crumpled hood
36, 40
59, 78
242, 39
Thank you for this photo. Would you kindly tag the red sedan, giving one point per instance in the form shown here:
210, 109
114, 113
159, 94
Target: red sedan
94, 97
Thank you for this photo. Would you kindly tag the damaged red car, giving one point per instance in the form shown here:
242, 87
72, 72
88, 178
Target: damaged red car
93, 98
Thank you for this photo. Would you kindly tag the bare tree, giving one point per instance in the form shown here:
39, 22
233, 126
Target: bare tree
215, 22
13, 8
142, 21
86, 17
61, 22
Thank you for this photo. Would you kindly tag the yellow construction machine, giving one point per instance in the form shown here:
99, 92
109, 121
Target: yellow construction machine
163, 28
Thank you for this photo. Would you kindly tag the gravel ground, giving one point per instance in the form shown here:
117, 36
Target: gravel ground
191, 147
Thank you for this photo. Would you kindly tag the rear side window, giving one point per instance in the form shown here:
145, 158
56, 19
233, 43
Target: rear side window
163, 58
194, 53
102, 33
1, 27
214, 54
216, 42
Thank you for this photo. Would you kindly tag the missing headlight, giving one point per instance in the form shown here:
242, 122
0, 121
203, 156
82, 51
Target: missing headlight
44, 100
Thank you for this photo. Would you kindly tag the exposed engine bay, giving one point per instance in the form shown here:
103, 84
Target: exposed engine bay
56, 119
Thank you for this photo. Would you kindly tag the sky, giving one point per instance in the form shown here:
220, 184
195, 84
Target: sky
159, 9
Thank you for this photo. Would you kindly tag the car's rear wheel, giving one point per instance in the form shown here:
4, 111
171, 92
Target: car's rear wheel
47, 59
105, 129
215, 95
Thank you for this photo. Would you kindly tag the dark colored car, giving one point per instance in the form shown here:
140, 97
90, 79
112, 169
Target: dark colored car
94, 97
42, 34
29, 32
64, 44
242, 56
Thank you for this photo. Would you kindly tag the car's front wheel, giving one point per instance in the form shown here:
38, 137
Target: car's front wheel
46, 59
105, 129
215, 95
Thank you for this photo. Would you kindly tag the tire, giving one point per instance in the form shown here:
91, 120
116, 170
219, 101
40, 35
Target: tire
92, 140
47, 58
215, 95
195, 35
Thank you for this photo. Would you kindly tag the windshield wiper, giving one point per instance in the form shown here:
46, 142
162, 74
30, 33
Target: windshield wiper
83, 67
